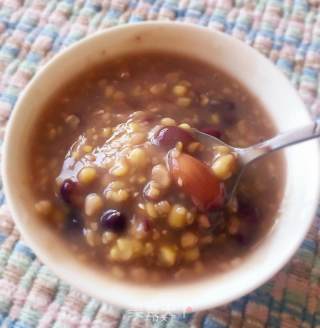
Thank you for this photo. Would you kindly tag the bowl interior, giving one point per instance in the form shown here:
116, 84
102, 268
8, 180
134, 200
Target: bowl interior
231, 56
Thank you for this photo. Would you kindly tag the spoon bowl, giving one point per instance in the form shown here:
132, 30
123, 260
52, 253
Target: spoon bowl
245, 156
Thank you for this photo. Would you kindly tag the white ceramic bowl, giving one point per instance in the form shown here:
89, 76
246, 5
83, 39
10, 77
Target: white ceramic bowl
232, 56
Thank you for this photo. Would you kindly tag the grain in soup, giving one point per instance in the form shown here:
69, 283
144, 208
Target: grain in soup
117, 172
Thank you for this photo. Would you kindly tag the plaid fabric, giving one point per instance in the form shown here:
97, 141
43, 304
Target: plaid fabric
32, 31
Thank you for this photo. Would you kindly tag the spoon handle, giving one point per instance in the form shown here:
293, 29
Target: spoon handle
282, 140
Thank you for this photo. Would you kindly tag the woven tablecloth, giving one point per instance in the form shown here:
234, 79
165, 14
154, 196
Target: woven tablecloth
32, 31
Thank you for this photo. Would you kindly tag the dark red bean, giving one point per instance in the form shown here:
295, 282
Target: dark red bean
211, 131
221, 105
67, 190
113, 220
169, 136
247, 211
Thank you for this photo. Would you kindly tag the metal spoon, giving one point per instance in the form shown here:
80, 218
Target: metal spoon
250, 154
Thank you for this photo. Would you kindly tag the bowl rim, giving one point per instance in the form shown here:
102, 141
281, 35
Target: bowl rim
43, 255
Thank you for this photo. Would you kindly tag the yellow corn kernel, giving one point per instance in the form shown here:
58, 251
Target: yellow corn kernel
125, 248
215, 118
221, 150
158, 88
108, 237
168, 121
179, 90
151, 211
194, 146
117, 196
119, 169
138, 157
106, 132
43, 207
73, 121
224, 166
87, 175
93, 204
178, 217
192, 254
189, 239
185, 126
75, 155
152, 190
137, 138
167, 255
163, 208
87, 149
134, 127
161, 176
183, 102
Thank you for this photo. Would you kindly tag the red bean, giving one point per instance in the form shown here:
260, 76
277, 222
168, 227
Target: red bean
169, 136
211, 131
67, 190
113, 220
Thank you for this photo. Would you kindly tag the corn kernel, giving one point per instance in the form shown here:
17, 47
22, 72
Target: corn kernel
158, 88
194, 146
43, 207
215, 119
137, 138
151, 211
87, 149
125, 248
224, 166
177, 217
179, 90
161, 176
92, 238
221, 150
106, 132
108, 237
92, 204
73, 121
138, 157
167, 255
183, 102
163, 208
87, 175
189, 239
118, 196
119, 169
192, 254
185, 126
75, 155
152, 190
168, 121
